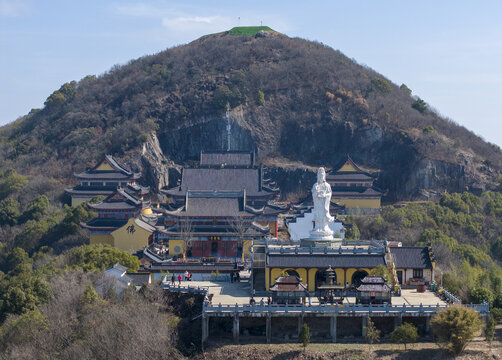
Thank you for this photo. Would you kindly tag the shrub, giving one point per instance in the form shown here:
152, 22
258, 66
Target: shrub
429, 130
490, 329
304, 337
420, 106
372, 334
455, 327
260, 98
404, 334
480, 295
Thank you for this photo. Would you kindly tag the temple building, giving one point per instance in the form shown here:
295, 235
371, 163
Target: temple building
104, 179
120, 222
414, 265
226, 171
217, 224
353, 188
223, 205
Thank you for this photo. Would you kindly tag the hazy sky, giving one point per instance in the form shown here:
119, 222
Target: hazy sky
448, 52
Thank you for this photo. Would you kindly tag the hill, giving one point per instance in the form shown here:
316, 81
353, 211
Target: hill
293, 100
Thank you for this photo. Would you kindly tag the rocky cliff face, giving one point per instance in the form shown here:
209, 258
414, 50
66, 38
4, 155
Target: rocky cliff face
401, 169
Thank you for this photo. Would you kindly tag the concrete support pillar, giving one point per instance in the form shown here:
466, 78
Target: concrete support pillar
300, 324
427, 325
332, 328
398, 321
205, 328
268, 329
235, 329
364, 324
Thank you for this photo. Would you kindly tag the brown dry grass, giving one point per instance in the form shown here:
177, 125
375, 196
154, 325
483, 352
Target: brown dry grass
478, 349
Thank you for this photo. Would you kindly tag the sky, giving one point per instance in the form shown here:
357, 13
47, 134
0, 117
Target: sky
448, 52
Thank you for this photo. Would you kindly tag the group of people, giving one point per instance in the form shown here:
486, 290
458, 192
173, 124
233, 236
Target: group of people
252, 301
235, 277
187, 276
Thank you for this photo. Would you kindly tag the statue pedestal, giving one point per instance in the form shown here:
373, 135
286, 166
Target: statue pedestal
321, 239
321, 243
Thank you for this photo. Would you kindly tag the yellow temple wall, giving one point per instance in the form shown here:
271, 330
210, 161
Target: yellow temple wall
101, 239
105, 166
246, 245
130, 241
341, 276
173, 244
347, 167
358, 203
276, 272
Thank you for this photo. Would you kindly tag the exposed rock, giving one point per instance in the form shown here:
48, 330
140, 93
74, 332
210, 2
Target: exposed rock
158, 171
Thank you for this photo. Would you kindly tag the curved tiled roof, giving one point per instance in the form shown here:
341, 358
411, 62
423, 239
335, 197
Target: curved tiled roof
411, 257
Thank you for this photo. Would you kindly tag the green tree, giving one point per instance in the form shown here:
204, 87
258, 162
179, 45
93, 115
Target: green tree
455, 327
420, 106
353, 232
480, 295
405, 88
22, 293
381, 85
37, 208
490, 329
10, 181
260, 98
372, 334
429, 130
304, 337
383, 271
17, 261
9, 212
90, 296
99, 257
404, 334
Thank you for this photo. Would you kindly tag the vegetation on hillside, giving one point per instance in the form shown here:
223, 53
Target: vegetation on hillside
465, 233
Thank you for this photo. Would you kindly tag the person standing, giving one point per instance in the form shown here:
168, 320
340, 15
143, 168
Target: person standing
179, 279
173, 280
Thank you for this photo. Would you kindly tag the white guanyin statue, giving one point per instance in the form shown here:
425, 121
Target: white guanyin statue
321, 195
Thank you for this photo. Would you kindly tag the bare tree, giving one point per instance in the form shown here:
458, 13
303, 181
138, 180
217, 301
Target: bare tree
186, 234
240, 227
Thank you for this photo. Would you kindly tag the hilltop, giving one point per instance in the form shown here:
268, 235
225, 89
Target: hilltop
293, 100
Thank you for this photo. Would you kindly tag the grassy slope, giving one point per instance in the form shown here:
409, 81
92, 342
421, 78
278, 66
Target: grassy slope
248, 30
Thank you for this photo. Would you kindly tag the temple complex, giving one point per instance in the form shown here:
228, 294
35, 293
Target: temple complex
353, 188
104, 179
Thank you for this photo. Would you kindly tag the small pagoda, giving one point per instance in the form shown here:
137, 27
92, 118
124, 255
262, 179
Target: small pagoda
288, 289
104, 179
373, 290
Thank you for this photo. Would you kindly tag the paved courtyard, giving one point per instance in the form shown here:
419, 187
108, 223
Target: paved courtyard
228, 293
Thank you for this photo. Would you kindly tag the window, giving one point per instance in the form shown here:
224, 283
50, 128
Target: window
418, 273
